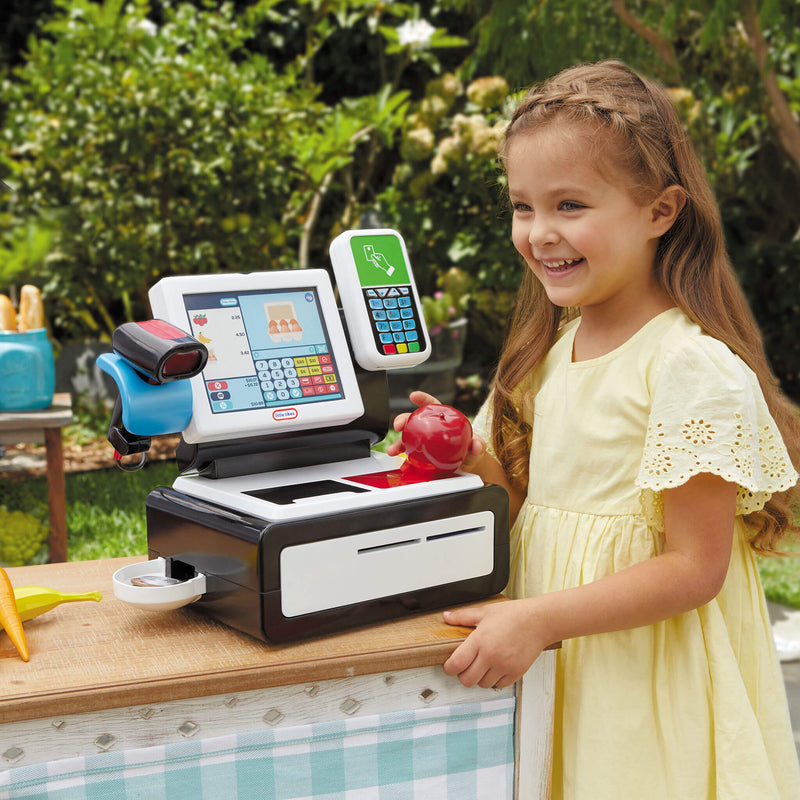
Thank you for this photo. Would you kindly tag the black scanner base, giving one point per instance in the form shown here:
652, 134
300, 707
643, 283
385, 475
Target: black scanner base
240, 557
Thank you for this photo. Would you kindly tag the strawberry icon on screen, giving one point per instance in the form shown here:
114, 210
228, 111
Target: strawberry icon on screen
200, 320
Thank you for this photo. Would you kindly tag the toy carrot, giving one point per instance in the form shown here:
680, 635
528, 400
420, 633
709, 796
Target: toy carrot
9, 616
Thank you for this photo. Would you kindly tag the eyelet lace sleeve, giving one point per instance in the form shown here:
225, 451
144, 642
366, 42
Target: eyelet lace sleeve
708, 414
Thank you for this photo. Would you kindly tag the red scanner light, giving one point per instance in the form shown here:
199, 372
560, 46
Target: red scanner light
182, 364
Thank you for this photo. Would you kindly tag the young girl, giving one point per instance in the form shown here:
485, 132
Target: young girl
643, 443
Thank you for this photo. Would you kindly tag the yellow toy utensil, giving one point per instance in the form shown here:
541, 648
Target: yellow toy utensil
35, 600
9, 616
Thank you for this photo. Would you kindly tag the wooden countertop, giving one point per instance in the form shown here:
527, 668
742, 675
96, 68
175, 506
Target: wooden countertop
89, 656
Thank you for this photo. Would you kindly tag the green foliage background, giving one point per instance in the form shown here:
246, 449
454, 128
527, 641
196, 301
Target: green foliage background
148, 139
105, 508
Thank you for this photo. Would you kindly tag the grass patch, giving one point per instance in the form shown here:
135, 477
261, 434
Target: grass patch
105, 508
781, 576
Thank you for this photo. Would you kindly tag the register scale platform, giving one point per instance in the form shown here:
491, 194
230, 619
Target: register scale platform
284, 521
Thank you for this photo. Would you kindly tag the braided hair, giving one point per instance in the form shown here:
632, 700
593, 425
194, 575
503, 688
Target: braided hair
633, 126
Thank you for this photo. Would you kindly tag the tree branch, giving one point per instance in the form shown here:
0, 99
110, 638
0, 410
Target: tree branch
304, 249
786, 125
311, 219
662, 46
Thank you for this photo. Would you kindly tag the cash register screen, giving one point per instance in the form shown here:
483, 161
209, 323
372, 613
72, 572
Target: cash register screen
277, 357
265, 349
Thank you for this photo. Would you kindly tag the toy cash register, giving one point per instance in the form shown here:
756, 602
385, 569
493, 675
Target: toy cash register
284, 522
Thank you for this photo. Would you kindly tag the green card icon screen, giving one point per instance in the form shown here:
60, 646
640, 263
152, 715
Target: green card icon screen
380, 260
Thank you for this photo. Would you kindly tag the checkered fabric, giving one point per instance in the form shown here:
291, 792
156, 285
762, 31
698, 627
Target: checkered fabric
463, 752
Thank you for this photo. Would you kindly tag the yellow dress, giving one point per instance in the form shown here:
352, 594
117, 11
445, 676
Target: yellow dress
692, 708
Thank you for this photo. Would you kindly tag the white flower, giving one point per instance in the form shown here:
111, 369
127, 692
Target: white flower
145, 25
416, 32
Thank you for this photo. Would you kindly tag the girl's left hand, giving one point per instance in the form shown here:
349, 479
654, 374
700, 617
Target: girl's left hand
502, 647
419, 399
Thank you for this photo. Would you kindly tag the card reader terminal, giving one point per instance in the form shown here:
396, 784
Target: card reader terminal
379, 299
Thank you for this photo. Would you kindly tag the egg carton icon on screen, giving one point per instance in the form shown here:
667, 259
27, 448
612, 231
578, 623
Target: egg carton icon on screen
282, 323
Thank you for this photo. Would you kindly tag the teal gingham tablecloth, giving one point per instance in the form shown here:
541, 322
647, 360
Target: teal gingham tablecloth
458, 752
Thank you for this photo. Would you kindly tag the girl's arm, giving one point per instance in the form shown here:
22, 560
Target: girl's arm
478, 461
488, 467
508, 637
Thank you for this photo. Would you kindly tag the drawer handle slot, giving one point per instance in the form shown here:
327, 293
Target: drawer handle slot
447, 535
389, 546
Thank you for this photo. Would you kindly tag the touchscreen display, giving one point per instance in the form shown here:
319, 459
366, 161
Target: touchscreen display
266, 348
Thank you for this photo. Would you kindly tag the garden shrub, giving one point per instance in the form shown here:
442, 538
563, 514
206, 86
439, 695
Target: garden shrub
448, 197
157, 151
146, 150
236, 137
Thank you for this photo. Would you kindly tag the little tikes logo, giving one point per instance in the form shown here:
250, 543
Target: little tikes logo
281, 414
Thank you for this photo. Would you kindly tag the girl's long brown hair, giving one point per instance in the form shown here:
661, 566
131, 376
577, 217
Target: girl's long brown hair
644, 137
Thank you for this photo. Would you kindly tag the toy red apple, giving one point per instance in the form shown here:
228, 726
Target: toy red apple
436, 438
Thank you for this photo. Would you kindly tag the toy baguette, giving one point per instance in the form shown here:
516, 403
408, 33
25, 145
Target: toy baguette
31, 310
8, 316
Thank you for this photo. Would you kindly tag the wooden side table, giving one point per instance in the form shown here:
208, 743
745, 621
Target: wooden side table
39, 427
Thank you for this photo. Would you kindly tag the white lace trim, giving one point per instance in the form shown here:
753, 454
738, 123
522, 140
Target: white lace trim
753, 457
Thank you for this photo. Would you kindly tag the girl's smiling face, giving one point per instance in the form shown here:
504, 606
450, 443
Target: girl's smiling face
579, 229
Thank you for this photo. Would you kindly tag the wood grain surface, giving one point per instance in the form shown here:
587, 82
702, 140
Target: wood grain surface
89, 656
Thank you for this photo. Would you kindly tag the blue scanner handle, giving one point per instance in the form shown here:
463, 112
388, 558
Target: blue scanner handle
148, 409
143, 409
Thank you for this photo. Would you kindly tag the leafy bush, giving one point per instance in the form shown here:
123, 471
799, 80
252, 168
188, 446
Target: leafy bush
151, 150
221, 139
157, 149
448, 197
22, 537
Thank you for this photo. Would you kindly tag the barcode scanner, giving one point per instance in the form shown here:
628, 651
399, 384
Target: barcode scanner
159, 350
159, 354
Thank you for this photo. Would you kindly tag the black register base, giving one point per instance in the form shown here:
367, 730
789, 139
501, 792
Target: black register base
242, 557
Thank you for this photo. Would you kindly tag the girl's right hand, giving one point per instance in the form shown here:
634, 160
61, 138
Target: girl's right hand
477, 447
507, 638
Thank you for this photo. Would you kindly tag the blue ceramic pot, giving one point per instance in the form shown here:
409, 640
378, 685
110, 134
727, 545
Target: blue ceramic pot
27, 370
